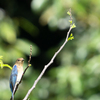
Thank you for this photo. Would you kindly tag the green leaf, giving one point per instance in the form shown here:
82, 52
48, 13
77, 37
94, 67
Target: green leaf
1, 64
4, 65
70, 21
71, 34
29, 64
71, 37
68, 13
73, 26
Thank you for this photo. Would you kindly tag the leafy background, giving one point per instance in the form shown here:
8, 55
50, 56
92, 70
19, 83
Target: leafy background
75, 73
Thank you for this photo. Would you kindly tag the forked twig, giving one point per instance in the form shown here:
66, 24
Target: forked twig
16, 86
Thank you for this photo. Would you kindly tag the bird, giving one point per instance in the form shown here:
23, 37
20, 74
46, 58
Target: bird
16, 74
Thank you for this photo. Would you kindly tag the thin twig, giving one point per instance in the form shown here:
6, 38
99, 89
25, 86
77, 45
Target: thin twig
26, 67
51, 61
16, 87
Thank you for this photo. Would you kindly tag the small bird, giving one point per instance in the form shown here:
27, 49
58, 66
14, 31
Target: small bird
16, 74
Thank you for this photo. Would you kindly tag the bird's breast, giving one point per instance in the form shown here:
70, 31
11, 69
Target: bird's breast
20, 72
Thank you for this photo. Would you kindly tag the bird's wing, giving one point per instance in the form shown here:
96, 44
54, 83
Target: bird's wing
13, 77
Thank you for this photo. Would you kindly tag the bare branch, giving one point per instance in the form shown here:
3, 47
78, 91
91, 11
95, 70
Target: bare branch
16, 86
51, 61
28, 62
26, 67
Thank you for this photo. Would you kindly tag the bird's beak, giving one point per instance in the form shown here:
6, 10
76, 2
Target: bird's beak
23, 60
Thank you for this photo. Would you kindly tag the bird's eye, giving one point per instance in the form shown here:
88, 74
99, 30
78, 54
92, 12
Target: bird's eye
17, 60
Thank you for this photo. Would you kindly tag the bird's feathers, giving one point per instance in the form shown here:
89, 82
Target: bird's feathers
13, 77
16, 74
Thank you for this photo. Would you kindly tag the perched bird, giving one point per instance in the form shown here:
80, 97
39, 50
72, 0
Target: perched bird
16, 74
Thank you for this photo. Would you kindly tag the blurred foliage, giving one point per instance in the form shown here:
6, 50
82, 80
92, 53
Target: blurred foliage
76, 70
4, 65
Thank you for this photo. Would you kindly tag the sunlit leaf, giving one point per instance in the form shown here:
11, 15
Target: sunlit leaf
68, 13
73, 26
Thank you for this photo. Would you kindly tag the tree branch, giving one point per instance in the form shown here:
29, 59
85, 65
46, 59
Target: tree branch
16, 86
51, 61
25, 68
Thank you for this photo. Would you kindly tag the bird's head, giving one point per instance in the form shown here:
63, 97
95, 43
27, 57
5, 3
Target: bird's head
20, 61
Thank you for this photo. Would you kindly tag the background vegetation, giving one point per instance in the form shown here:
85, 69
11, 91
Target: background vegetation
75, 73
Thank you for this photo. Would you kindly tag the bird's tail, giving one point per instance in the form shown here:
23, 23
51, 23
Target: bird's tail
13, 92
12, 97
